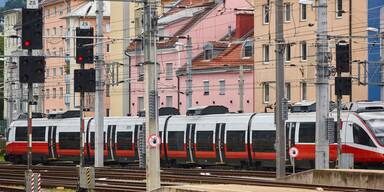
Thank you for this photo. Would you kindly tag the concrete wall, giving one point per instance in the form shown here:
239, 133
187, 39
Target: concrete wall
367, 179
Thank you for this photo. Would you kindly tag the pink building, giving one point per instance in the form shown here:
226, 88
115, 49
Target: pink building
204, 21
216, 72
61, 17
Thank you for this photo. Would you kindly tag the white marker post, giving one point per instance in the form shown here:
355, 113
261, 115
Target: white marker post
293, 153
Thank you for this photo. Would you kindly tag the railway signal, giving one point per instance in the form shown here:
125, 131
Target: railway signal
84, 45
85, 80
32, 29
32, 69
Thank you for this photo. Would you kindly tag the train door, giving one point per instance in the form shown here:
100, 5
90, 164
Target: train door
52, 152
290, 130
190, 142
111, 144
138, 130
219, 142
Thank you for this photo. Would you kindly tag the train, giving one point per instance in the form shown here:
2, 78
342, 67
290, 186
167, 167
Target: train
204, 137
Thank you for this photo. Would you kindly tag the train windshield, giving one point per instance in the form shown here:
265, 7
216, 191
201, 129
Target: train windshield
377, 127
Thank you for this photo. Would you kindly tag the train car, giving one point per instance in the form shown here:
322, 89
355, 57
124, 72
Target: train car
203, 139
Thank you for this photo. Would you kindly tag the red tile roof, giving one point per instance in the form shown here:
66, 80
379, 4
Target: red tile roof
231, 56
171, 41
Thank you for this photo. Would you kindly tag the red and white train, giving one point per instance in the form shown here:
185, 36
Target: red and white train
230, 139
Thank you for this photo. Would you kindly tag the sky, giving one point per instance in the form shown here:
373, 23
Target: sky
2, 2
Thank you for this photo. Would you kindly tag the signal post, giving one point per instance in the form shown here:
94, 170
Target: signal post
84, 81
31, 70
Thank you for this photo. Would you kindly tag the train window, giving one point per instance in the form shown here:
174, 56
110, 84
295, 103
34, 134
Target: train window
176, 140
361, 137
69, 140
263, 141
204, 140
124, 140
235, 141
21, 134
38, 134
307, 132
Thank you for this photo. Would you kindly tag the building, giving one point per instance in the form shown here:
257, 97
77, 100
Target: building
203, 21
13, 104
300, 51
60, 21
123, 25
374, 56
219, 69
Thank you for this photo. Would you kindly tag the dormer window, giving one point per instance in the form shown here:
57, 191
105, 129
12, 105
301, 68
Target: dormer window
208, 51
248, 49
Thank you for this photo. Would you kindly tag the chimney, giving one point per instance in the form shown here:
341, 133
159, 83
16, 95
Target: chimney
244, 23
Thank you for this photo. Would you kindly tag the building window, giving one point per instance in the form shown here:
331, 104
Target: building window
169, 101
303, 90
107, 113
107, 27
54, 72
287, 7
287, 91
288, 53
304, 50
107, 90
266, 92
47, 93
47, 32
61, 32
48, 52
61, 10
248, 49
206, 87
54, 11
339, 8
140, 72
140, 104
61, 94
208, 51
222, 87
54, 31
54, 93
265, 14
61, 70
47, 72
266, 53
108, 50
169, 71
61, 51
303, 12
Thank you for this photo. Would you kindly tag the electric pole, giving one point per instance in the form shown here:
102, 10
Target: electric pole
99, 100
10, 80
280, 128
126, 61
322, 97
151, 95
189, 72
241, 88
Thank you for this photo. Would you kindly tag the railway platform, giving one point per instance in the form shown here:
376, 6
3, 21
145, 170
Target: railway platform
231, 188
359, 178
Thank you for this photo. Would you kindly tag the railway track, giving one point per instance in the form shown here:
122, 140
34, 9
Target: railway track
112, 179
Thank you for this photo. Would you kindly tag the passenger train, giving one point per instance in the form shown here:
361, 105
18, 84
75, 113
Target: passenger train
234, 139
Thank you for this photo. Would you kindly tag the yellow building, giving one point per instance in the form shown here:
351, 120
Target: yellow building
300, 24
122, 30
